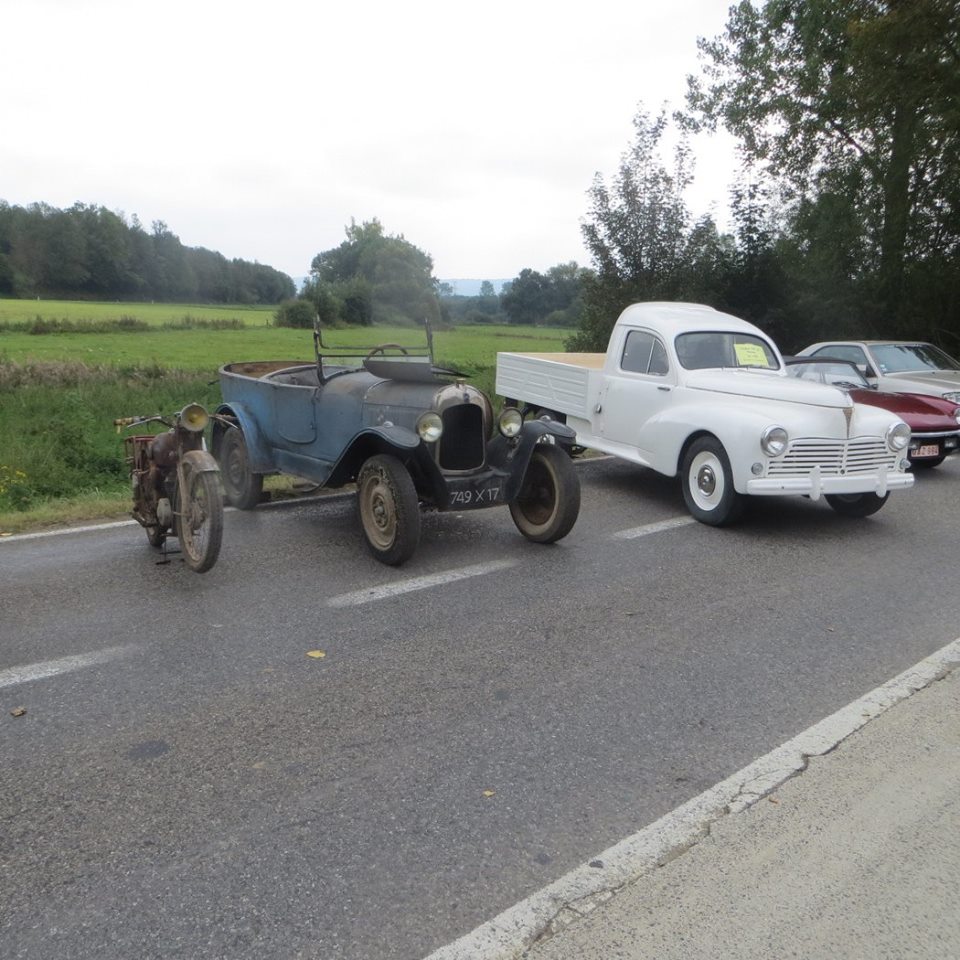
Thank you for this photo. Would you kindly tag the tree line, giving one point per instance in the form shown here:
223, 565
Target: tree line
90, 252
844, 218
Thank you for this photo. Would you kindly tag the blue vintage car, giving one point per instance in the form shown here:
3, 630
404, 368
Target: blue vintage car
408, 433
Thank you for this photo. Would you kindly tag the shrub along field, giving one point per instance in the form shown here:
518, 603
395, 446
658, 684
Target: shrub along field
60, 389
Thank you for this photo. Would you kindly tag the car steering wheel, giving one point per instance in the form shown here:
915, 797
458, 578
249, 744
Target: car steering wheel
384, 347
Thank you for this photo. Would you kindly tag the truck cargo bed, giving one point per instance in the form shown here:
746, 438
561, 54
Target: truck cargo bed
563, 382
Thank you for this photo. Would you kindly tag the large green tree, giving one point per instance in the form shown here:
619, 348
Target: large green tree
853, 106
642, 238
376, 277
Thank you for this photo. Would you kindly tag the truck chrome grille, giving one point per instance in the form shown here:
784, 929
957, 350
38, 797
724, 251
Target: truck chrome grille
463, 423
834, 457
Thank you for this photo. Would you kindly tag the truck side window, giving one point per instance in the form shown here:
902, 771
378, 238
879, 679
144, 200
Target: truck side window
636, 352
659, 365
644, 353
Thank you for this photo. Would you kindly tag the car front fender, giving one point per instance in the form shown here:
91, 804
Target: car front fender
513, 456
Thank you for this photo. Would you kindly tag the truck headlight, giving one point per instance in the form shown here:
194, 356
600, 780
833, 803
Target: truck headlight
773, 441
510, 422
429, 426
898, 436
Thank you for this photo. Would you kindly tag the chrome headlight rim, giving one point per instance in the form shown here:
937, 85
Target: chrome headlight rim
430, 426
510, 422
774, 440
898, 436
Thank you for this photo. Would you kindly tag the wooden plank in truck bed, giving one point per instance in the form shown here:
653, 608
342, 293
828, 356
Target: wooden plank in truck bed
554, 381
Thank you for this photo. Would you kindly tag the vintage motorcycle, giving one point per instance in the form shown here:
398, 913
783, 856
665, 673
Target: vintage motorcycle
176, 484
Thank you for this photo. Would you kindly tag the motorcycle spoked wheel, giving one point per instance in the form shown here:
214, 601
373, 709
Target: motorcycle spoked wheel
198, 518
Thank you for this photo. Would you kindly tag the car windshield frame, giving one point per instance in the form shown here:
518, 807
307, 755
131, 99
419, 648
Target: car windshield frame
912, 358
724, 349
844, 374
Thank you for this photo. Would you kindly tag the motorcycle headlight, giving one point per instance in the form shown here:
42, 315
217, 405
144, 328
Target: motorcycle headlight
429, 426
510, 422
898, 436
773, 441
194, 417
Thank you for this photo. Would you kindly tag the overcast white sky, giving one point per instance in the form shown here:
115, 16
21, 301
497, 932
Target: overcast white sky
259, 129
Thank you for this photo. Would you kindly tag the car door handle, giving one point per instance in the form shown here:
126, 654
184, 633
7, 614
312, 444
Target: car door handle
664, 389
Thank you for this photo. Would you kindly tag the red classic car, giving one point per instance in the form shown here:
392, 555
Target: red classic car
934, 423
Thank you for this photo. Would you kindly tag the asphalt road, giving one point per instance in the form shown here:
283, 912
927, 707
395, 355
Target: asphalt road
202, 788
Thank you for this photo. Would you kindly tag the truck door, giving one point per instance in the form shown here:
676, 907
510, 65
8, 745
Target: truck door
638, 388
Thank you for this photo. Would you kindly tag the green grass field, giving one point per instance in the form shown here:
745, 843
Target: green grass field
156, 314
60, 458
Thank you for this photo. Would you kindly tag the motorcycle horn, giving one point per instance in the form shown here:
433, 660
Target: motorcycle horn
194, 417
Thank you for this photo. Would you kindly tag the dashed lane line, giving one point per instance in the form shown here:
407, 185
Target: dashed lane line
649, 528
371, 594
51, 668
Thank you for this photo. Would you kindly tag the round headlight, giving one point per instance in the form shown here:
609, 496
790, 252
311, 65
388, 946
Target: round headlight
429, 426
956, 414
194, 417
510, 422
898, 436
773, 441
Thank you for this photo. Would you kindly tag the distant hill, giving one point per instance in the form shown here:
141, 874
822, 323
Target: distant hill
461, 288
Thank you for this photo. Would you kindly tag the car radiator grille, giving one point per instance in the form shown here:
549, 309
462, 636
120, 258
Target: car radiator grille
463, 445
835, 458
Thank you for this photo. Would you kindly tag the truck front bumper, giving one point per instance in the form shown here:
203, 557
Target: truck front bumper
814, 484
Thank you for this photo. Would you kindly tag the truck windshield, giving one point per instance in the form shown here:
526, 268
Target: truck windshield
704, 349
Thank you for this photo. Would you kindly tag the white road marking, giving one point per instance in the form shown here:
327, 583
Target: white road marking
63, 531
370, 594
649, 528
50, 668
584, 888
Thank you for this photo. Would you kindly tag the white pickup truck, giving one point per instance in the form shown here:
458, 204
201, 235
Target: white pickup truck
684, 389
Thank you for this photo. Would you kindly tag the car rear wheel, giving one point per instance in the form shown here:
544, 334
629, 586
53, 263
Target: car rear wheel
389, 509
708, 489
856, 504
242, 487
548, 504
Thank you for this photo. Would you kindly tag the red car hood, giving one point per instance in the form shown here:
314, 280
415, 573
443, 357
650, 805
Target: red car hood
923, 414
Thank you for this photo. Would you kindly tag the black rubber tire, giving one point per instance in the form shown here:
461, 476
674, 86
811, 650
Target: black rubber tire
156, 535
927, 464
708, 489
857, 504
241, 486
198, 518
548, 504
389, 509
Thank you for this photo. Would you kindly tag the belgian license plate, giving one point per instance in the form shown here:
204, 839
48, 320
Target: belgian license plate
928, 450
481, 496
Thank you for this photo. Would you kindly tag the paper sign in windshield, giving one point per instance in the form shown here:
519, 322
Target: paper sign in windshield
751, 355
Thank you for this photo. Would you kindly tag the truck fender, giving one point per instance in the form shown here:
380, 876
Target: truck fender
259, 453
513, 457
